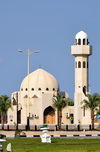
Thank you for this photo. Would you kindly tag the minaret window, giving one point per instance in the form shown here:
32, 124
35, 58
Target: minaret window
84, 90
26, 89
79, 41
83, 41
39, 89
79, 64
84, 64
87, 42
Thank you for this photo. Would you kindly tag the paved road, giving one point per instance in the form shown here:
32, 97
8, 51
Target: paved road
62, 134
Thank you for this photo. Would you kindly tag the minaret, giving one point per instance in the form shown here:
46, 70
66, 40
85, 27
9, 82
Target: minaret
81, 50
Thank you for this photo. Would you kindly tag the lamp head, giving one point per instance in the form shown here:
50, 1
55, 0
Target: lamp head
36, 51
19, 50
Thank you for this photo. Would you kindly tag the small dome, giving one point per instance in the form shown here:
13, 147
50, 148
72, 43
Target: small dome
81, 38
39, 80
81, 35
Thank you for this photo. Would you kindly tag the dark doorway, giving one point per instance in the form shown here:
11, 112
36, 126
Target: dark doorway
49, 115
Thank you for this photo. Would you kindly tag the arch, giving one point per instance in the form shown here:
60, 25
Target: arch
84, 90
79, 64
84, 64
49, 115
87, 42
83, 41
79, 41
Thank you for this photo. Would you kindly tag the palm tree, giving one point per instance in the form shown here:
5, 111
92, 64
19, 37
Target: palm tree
70, 102
92, 102
5, 104
59, 102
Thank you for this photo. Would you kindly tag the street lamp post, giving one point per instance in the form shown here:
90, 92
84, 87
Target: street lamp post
17, 109
28, 52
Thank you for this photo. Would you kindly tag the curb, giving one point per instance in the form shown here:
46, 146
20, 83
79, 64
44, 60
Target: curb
55, 136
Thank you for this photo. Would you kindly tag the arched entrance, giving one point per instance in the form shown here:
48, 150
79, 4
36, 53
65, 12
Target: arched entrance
49, 115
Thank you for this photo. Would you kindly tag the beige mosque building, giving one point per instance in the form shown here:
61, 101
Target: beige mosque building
32, 105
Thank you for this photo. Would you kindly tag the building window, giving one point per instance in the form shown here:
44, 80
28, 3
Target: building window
79, 64
79, 41
47, 89
21, 89
39, 89
53, 89
32, 89
84, 64
26, 89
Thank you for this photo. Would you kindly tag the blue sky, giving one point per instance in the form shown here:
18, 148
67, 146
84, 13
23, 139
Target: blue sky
49, 26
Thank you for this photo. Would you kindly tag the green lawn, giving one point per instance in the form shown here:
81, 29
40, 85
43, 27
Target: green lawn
57, 145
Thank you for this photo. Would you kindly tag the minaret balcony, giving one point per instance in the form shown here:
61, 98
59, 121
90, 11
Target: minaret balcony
84, 50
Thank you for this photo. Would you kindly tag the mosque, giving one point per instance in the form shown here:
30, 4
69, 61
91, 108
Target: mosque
33, 103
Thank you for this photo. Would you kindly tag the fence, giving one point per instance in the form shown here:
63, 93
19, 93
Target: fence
71, 127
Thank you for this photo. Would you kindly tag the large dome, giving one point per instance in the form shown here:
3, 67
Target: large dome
39, 80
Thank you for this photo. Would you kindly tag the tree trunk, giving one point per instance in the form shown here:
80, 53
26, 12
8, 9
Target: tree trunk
59, 119
2, 120
92, 119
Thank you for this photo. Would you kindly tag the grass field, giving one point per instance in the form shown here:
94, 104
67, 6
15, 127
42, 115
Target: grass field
57, 145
